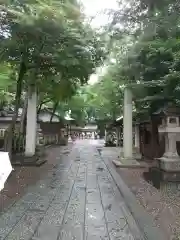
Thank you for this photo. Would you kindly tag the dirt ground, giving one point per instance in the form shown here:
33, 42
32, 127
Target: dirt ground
22, 177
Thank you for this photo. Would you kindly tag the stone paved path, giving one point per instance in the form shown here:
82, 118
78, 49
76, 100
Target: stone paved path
78, 200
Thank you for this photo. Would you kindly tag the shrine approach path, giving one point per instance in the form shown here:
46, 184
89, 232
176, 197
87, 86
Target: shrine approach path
78, 200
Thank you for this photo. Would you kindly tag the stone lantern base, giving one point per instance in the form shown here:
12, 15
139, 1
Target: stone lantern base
169, 165
166, 170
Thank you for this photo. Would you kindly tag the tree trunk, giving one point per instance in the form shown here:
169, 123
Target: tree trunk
23, 115
54, 110
113, 115
39, 108
41, 104
10, 132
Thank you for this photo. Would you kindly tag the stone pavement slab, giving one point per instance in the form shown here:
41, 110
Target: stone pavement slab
78, 200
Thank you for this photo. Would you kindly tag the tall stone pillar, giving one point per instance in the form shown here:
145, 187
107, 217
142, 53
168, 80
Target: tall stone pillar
105, 137
127, 125
31, 126
137, 137
136, 153
127, 158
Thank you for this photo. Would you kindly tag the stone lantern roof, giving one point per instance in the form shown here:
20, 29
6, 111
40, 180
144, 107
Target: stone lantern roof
168, 110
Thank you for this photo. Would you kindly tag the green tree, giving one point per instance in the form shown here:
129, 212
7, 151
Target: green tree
50, 47
151, 57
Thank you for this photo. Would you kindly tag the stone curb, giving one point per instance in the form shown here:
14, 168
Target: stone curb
143, 220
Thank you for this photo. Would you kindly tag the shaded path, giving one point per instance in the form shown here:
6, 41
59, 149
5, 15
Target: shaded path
78, 200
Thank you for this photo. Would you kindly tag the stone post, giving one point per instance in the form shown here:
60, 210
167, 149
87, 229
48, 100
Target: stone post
105, 137
127, 125
137, 137
136, 153
31, 126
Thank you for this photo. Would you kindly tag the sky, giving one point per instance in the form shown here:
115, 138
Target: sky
95, 8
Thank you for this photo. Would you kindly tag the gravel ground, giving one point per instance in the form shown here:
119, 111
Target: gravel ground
163, 205
22, 177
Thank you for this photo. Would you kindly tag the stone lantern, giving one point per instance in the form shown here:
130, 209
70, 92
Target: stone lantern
170, 128
168, 166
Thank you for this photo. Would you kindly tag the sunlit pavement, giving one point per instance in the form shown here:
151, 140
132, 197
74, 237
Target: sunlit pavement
77, 200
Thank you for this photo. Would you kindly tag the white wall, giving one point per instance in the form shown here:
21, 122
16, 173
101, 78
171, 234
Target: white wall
87, 127
45, 117
4, 125
90, 127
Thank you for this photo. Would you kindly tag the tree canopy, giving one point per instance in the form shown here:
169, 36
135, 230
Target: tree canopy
46, 47
48, 44
145, 52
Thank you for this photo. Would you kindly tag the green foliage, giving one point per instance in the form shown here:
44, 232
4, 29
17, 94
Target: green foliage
105, 102
149, 58
7, 83
95, 102
57, 51
50, 42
